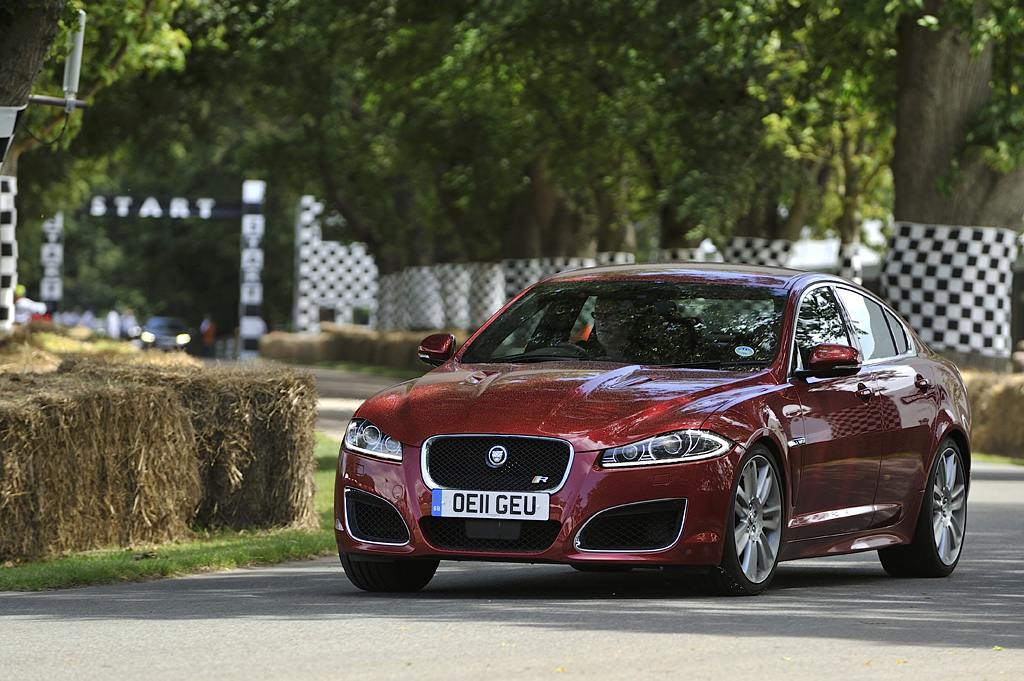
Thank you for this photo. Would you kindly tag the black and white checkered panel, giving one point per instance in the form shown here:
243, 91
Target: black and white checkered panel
251, 325
464, 296
389, 295
487, 292
749, 250
422, 300
680, 255
329, 275
520, 274
9, 117
338, 277
850, 266
953, 285
455, 281
305, 315
615, 258
8, 250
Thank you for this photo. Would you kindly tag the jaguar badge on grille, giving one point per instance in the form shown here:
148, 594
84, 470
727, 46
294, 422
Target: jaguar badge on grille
497, 456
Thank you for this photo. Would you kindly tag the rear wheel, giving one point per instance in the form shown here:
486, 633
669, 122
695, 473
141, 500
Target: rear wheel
411, 574
941, 523
754, 532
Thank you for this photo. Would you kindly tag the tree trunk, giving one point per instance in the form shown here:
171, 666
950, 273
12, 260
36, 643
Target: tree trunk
25, 38
614, 232
940, 87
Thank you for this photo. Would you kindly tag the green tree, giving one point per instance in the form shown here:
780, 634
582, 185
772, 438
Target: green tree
960, 143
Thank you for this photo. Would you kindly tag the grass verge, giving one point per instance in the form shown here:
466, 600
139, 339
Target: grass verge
995, 458
221, 550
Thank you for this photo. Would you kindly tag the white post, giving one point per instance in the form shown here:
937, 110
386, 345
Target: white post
8, 250
51, 255
250, 320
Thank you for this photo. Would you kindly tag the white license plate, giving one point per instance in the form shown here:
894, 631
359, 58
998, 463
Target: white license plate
453, 503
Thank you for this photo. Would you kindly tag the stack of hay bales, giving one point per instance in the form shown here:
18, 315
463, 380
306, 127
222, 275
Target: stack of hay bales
358, 344
84, 466
997, 403
105, 452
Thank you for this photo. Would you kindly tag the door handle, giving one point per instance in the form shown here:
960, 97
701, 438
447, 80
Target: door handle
922, 383
864, 392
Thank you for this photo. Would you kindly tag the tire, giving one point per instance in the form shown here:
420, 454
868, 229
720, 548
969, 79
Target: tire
411, 574
753, 533
941, 523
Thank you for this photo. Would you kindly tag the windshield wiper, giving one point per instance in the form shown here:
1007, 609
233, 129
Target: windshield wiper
529, 358
715, 364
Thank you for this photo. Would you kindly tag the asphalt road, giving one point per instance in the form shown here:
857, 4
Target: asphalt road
836, 618
341, 392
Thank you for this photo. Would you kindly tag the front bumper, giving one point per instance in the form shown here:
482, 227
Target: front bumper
672, 514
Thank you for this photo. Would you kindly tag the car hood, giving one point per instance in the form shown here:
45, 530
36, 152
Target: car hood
593, 405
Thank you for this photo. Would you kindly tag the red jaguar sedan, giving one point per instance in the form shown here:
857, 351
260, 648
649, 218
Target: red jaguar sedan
710, 419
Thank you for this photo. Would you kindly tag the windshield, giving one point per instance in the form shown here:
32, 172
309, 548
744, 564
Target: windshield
655, 323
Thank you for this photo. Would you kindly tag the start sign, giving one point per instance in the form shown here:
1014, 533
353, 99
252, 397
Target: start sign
151, 207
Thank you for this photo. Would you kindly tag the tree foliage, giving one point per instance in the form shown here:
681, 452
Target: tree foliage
466, 130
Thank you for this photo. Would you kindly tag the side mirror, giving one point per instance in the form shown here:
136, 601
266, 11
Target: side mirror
437, 349
830, 360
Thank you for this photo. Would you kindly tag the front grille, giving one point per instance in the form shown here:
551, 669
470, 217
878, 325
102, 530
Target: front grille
500, 536
534, 464
647, 526
373, 519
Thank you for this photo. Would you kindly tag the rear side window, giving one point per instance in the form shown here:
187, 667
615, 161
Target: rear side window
870, 325
898, 334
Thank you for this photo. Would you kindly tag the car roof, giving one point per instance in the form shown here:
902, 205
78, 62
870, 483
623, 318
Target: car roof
721, 273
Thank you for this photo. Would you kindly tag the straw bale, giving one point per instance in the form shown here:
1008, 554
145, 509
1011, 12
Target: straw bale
997, 400
86, 464
254, 434
306, 348
350, 343
26, 358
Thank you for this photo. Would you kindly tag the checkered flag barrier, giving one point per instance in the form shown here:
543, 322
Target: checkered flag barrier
953, 285
8, 250
440, 296
465, 296
615, 258
329, 275
519, 274
749, 250
681, 255
850, 266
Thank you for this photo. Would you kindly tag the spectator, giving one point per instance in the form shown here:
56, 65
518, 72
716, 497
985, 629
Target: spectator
208, 335
113, 324
129, 327
72, 318
25, 308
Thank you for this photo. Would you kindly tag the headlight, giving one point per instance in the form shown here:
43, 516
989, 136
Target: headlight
147, 337
182, 338
681, 445
362, 436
